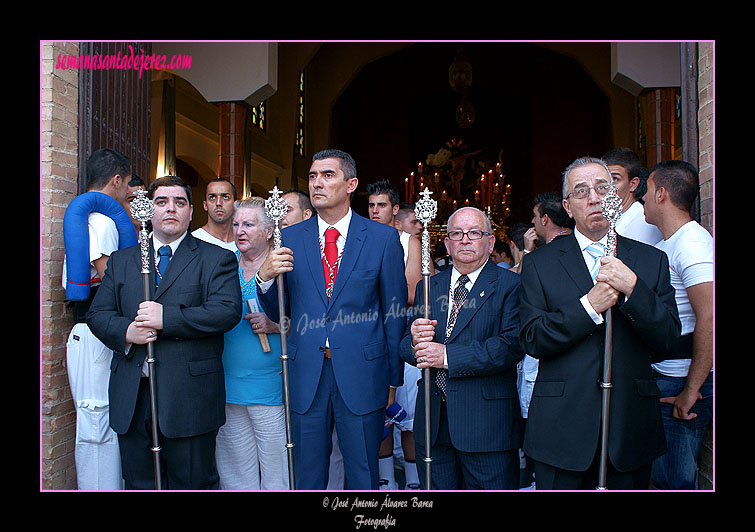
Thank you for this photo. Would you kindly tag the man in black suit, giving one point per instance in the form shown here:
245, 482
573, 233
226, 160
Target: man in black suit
195, 299
563, 326
471, 343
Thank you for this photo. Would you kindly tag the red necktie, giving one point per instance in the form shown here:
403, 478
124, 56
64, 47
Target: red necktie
331, 254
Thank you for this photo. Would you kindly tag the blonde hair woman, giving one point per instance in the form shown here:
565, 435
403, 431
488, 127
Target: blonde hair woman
251, 446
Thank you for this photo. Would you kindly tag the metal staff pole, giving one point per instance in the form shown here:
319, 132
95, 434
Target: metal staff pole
142, 209
425, 211
611, 207
276, 208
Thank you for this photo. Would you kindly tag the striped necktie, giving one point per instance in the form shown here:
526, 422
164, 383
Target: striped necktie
596, 251
460, 295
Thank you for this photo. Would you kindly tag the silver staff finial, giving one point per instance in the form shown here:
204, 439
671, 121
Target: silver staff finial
426, 208
142, 208
611, 208
276, 208
425, 211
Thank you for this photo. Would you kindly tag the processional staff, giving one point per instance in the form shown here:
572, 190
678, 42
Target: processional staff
142, 209
611, 208
425, 211
276, 208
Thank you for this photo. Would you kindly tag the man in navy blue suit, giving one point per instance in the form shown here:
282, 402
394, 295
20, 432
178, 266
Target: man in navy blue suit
471, 345
345, 294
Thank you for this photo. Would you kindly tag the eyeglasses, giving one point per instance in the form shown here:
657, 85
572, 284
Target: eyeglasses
581, 192
474, 234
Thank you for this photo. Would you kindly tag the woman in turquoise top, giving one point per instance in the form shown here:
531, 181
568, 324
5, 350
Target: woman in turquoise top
251, 446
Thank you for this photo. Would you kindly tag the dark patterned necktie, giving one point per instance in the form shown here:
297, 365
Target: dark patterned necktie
460, 295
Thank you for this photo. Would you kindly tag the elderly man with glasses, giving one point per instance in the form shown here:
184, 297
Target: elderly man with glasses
471, 345
566, 287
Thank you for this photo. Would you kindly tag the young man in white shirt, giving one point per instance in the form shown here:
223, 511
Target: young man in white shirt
685, 380
625, 168
97, 456
218, 203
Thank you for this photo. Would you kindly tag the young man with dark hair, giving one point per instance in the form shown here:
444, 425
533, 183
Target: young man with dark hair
626, 170
218, 203
98, 465
195, 298
686, 379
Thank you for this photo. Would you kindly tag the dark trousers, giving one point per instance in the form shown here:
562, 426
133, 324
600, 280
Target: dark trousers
185, 463
548, 477
452, 469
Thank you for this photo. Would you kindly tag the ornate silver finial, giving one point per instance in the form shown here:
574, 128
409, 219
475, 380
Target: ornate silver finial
610, 205
142, 209
425, 211
426, 208
276, 208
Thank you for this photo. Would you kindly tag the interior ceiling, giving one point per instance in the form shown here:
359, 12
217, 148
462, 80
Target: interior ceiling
537, 108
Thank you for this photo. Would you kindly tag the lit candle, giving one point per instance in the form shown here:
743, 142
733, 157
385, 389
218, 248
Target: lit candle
443, 196
490, 185
482, 187
411, 185
406, 189
477, 195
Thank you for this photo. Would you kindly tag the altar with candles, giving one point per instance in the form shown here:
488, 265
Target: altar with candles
462, 177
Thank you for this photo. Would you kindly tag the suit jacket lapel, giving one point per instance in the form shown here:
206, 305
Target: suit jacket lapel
353, 247
574, 263
439, 286
313, 253
481, 291
625, 251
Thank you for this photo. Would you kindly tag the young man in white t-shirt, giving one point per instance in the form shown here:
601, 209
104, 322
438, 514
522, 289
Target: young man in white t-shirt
97, 455
218, 203
625, 167
686, 379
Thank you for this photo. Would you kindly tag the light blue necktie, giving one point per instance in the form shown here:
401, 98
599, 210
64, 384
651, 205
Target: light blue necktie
164, 252
596, 250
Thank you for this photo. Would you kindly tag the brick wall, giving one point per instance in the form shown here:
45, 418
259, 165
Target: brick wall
706, 167
58, 180
705, 126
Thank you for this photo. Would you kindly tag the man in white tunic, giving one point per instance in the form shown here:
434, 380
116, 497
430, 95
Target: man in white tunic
97, 456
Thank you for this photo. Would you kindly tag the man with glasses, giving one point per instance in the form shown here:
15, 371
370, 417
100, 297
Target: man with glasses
471, 345
566, 288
